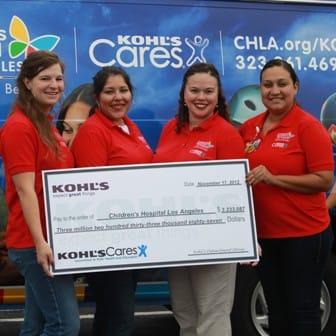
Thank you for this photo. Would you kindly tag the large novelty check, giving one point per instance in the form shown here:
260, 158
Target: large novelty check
145, 216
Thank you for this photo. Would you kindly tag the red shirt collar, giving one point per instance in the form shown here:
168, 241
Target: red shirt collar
110, 123
204, 125
286, 121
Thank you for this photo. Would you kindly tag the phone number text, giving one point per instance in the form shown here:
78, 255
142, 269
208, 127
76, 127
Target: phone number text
311, 64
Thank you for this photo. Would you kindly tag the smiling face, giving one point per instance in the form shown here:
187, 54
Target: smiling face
115, 98
47, 86
278, 90
75, 116
201, 97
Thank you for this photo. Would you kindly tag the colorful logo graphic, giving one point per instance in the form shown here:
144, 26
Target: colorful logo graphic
22, 43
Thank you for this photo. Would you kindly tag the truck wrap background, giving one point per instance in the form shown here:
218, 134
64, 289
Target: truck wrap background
157, 41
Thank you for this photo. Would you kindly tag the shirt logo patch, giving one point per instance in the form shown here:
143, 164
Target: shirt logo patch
252, 146
201, 148
197, 152
284, 137
279, 145
204, 145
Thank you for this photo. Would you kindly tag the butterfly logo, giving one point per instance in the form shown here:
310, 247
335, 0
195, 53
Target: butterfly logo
22, 43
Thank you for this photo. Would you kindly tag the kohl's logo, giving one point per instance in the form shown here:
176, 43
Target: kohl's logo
136, 51
111, 251
72, 187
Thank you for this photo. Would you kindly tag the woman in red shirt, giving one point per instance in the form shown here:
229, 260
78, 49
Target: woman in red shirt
30, 144
109, 138
290, 155
202, 296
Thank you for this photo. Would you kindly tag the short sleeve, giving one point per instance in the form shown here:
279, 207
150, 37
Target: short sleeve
166, 131
19, 148
89, 148
317, 146
230, 145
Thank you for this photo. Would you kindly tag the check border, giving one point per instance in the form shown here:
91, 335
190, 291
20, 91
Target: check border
47, 187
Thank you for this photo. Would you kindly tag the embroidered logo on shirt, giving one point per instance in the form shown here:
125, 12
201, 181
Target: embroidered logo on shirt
197, 152
201, 148
279, 145
204, 145
284, 137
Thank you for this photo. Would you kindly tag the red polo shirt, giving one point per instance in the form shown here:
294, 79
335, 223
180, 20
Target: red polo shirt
213, 139
23, 151
100, 142
298, 145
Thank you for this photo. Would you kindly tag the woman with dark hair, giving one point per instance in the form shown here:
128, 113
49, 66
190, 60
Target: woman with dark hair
109, 138
30, 144
76, 108
202, 296
290, 155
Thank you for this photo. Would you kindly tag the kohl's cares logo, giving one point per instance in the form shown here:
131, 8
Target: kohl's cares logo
78, 187
137, 50
286, 137
109, 252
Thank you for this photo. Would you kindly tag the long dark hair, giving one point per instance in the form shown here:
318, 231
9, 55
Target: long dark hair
31, 67
183, 113
83, 93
